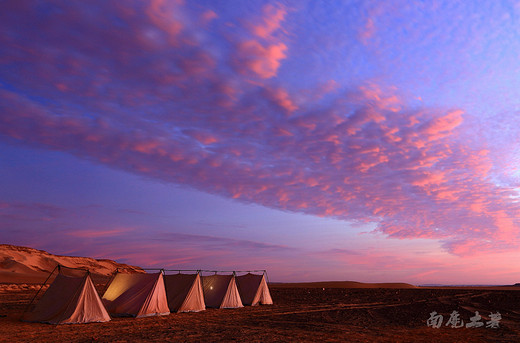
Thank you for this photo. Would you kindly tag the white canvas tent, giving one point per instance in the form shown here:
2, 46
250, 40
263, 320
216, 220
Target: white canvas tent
69, 300
253, 289
220, 291
184, 292
137, 295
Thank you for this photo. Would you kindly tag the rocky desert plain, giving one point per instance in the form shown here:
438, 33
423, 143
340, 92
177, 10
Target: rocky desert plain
302, 312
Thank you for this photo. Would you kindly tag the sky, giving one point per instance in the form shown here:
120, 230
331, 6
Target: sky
374, 141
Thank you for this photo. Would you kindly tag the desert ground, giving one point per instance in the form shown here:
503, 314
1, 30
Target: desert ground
315, 312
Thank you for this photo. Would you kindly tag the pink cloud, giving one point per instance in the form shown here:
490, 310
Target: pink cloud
162, 13
380, 262
273, 16
319, 92
28, 212
367, 31
468, 246
409, 264
123, 238
261, 61
203, 137
183, 112
282, 98
261, 55
440, 126
320, 166
99, 233
208, 16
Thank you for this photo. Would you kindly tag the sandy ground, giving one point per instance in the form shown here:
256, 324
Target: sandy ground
298, 315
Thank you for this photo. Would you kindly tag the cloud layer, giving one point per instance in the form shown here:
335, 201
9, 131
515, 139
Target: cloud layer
195, 97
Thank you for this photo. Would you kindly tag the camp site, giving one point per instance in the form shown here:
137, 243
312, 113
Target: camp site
74, 299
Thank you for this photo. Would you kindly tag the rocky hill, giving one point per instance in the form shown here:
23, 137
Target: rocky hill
28, 265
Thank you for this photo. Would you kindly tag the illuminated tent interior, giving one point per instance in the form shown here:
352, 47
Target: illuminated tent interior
220, 291
69, 300
137, 295
184, 292
253, 289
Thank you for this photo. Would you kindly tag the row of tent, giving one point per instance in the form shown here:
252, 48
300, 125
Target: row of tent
72, 300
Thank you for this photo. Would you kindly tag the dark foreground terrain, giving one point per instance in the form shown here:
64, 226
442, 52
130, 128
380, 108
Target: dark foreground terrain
299, 315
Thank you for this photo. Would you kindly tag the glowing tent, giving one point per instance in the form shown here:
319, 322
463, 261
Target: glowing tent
221, 291
137, 295
69, 300
253, 289
184, 292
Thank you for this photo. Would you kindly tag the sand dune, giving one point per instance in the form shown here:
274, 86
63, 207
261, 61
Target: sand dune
28, 265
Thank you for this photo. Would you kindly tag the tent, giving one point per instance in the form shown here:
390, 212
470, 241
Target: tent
137, 295
69, 300
253, 289
184, 292
221, 291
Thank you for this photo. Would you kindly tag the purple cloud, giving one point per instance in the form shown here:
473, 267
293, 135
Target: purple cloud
167, 98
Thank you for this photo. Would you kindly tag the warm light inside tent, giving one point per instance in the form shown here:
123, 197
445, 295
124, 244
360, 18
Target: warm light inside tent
210, 287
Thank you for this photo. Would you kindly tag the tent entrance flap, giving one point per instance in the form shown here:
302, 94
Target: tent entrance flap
137, 295
253, 289
69, 300
184, 292
220, 291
